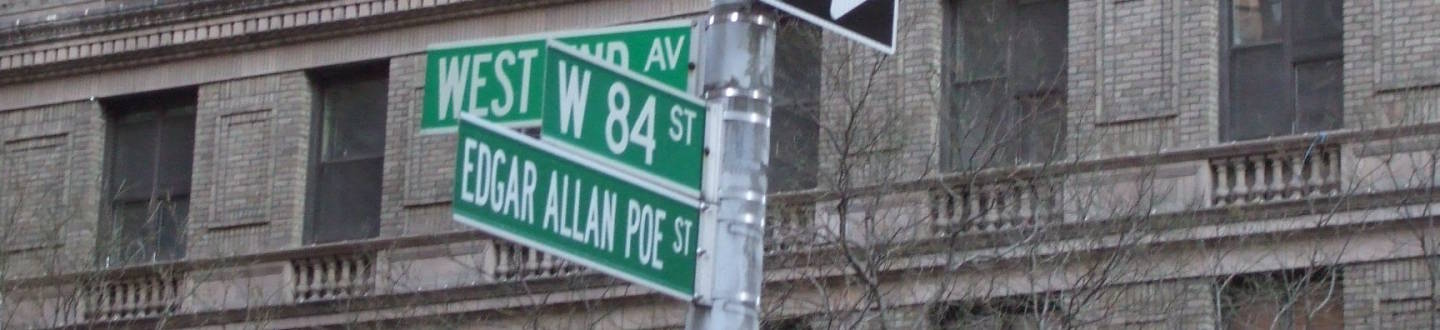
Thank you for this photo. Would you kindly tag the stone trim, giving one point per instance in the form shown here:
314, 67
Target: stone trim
251, 29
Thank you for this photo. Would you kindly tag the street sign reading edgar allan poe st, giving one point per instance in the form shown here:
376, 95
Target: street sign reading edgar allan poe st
498, 79
532, 193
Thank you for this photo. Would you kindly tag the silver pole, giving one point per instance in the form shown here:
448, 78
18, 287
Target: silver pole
738, 52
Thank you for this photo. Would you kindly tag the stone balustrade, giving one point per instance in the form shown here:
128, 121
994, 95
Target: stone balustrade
333, 276
133, 297
1275, 175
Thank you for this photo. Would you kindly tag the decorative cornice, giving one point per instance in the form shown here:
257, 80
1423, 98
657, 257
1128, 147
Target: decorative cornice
229, 33
118, 18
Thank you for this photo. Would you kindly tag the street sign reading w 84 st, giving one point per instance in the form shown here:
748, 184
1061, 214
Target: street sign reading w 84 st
623, 119
870, 22
529, 192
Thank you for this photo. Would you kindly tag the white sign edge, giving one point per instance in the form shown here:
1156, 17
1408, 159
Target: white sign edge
666, 24
837, 29
556, 45
619, 174
611, 271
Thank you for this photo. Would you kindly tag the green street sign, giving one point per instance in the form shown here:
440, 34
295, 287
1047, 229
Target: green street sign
499, 79
530, 192
623, 119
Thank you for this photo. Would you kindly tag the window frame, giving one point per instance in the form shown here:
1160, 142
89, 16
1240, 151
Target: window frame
164, 104
1289, 54
321, 81
994, 150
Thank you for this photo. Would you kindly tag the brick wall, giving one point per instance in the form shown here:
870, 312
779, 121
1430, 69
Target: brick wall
1184, 304
252, 139
50, 165
1143, 76
1392, 50
418, 168
1398, 294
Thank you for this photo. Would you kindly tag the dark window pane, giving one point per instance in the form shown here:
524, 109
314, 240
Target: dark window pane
794, 133
1039, 43
981, 134
354, 119
1043, 122
984, 38
1260, 102
132, 166
348, 206
1257, 22
1318, 19
147, 231
177, 150
1318, 96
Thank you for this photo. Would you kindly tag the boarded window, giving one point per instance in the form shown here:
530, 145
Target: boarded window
349, 146
1308, 299
1012, 313
1284, 68
1009, 82
151, 151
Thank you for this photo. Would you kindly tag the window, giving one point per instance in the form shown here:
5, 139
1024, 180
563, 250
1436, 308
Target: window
794, 134
1286, 300
1008, 92
349, 151
797, 323
999, 314
151, 148
1283, 67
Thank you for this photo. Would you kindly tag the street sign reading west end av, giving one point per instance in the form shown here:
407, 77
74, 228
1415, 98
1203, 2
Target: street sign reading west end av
869, 22
499, 79
532, 193
623, 119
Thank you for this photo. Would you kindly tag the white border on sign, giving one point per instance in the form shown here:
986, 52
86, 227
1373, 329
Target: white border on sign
519, 124
619, 174
561, 34
571, 257
825, 23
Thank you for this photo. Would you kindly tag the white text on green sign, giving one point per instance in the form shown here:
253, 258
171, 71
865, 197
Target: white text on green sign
499, 79
535, 194
622, 118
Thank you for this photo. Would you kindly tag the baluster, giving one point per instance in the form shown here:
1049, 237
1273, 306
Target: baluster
1258, 192
332, 276
1297, 183
150, 296
974, 212
1026, 203
532, 262
1222, 181
1242, 189
1277, 176
345, 284
992, 207
128, 298
1316, 176
1334, 165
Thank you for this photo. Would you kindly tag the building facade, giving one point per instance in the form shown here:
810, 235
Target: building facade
1016, 164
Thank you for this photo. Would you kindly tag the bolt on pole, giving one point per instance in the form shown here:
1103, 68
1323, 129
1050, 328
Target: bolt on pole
738, 53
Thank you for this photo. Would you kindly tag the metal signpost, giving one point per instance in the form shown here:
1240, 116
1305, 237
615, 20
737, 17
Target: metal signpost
535, 194
498, 79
